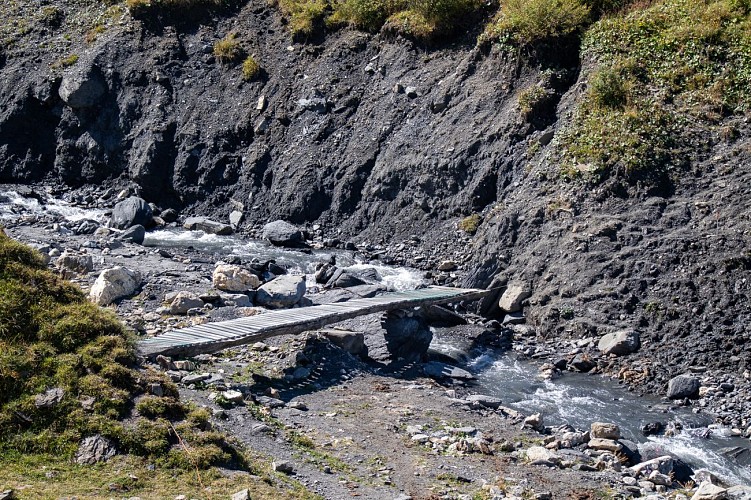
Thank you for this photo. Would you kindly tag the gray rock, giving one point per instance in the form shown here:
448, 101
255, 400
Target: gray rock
538, 455
7, 495
447, 265
207, 226
233, 396
483, 400
95, 449
352, 342
130, 212
70, 264
343, 279
113, 284
605, 444
619, 343
233, 278
439, 370
708, 491
235, 218
684, 386
398, 337
603, 430
282, 466
134, 234
283, 234
169, 215
82, 87
282, 291
195, 378
739, 492
236, 299
49, 398
86, 226
184, 302
512, 298
535, 422
241, 495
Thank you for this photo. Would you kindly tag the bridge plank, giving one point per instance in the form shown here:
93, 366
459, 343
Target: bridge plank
212, 337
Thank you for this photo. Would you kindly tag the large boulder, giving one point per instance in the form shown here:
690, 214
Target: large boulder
283, 234
113, 284
283, 291
683, 386
131, 211
619, 343
709, 491
739, 492
512, 298
233, 278
82, 87
135, 234
207, 226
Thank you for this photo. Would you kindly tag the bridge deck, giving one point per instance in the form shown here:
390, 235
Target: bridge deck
212, 337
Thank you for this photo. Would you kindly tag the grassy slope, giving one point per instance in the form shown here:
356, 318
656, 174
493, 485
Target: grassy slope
52, 337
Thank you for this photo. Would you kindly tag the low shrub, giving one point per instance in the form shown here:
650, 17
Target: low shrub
470, 224
251, 68
228, 49
304, 16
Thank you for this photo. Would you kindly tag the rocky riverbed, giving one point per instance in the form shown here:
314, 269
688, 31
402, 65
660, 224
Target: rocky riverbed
362, 408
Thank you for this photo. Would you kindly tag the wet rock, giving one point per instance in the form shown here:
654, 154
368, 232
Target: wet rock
447, 265
619, 343
664, 464
652, 428
169, 215
582, 363
207, 226
602, 430
113, 284
684, 386
343, 279
739, 492
130, 212
134, 234
708, 491
284, 234
184, 302
95, 449
82, 86
233, 278
352, 342
438, 370
282, 291
49, 398
70, 264
512, 298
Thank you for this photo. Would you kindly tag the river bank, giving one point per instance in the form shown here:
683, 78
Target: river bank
322, 389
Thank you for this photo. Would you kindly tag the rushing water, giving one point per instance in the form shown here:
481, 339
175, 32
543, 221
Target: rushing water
574, 399
580, 399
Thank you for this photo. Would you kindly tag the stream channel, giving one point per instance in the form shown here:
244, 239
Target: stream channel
575, 399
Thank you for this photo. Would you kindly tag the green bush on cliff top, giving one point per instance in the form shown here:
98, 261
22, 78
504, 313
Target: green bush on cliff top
52, 337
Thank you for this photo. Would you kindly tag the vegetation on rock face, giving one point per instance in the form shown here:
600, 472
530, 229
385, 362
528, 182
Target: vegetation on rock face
525, 22
660, 68
228, 49
251, 68
67, 371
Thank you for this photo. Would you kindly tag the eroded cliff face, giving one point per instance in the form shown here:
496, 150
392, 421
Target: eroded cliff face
377, 138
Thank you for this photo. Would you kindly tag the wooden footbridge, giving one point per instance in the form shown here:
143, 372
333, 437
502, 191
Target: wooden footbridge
212, 337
